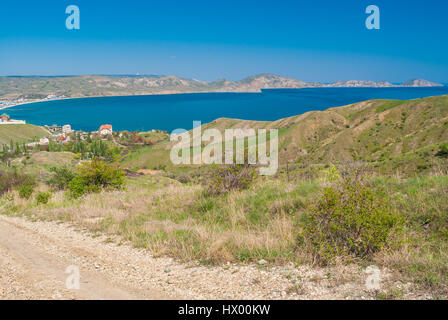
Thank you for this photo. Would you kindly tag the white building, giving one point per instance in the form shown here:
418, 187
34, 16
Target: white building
66, 129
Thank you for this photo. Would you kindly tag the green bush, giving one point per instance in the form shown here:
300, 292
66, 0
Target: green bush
43, 197
350, 220
443, 152
230, 177
78, 187
61, 177
26, 190
95, 176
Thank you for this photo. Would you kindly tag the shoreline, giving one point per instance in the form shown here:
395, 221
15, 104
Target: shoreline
128, 95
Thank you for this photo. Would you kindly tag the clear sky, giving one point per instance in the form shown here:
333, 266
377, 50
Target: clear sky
320, 40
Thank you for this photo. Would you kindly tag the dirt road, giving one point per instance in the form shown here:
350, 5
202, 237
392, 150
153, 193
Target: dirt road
34, 266
35, 255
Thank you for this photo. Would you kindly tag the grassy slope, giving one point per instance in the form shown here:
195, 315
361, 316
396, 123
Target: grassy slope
394, 132
20, 133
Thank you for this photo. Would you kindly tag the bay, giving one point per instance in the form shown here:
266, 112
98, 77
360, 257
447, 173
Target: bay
169, 112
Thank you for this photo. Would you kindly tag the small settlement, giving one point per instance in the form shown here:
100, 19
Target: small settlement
23, 100
64, 134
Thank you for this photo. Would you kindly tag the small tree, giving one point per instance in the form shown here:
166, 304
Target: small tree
61, 177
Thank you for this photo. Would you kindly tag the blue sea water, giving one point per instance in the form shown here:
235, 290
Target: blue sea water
169, 112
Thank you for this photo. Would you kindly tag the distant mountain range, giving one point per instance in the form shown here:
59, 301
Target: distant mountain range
38, 87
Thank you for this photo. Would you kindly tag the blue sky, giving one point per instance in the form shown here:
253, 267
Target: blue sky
320, 40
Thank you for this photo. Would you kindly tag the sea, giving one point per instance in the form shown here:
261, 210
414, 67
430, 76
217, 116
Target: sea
178, 111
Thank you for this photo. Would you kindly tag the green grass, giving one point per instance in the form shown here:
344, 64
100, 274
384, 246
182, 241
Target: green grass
389, 105
40, 163
20, 133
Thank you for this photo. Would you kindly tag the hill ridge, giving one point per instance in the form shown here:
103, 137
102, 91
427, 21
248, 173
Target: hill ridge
39, 87
390, 133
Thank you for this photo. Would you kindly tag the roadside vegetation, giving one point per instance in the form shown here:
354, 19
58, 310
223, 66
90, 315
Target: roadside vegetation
394, 222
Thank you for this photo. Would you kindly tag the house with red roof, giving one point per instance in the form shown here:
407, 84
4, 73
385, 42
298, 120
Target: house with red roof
4, 118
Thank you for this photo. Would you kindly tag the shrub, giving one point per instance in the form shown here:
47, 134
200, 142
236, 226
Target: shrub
25, 191
77, 187
350, 219
184, 178
43, 197
95, 176
231, 177
61, 177
12, 179
443, 152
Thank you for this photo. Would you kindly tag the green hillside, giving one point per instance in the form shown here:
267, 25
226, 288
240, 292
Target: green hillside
405, 134
20, 133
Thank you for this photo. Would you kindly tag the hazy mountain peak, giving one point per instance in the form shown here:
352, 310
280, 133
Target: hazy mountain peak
421, 83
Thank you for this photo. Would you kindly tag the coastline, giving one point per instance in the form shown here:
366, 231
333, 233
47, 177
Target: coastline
162, 93
177, 93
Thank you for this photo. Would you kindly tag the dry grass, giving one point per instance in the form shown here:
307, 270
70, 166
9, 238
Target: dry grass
262, 222
167, 217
